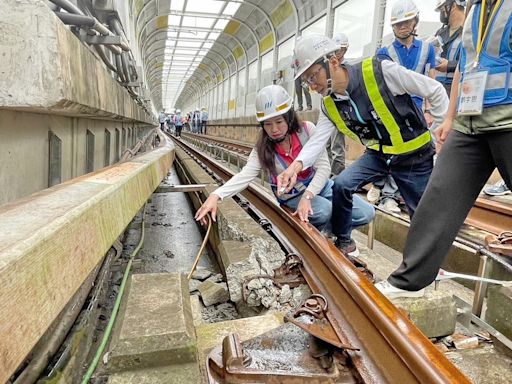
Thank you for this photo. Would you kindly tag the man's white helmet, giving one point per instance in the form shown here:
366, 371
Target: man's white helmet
403, 10
178, 111
271, 101
442, 3
309, 49
341, 40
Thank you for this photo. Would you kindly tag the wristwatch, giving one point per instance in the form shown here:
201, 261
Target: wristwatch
307, 196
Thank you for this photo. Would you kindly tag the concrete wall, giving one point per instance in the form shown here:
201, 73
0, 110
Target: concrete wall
51, 81
24, 148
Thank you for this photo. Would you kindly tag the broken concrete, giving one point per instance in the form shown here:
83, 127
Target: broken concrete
483, 365
261, 257
193, 285
213, 293
201, 274
157, 327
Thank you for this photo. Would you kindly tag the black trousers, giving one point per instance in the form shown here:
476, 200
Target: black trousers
461, 171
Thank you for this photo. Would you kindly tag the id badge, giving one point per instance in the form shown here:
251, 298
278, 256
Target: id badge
472, 89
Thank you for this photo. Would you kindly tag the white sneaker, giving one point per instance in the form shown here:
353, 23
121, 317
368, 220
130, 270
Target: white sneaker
390, 205
498, 189
392, 292
373, 194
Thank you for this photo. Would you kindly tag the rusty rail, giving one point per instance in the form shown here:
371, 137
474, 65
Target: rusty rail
232, 145
488, 215
391, 348
491, 216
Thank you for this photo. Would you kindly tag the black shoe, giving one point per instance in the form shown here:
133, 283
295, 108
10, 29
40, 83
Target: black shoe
348, 247
300, 108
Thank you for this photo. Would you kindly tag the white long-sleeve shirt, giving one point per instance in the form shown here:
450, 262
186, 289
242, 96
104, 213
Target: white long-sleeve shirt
251, 170
399, 80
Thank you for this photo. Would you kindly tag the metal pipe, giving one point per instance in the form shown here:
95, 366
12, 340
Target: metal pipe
68, 6
116, 26
119, 70
87, 21
371, 234
481, 286
75, 19
124, 63
103, 56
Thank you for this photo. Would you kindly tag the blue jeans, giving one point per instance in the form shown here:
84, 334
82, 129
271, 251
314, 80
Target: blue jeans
362, 212
410, 172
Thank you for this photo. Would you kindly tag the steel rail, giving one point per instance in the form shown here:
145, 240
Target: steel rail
224, 143
491, 216
487, 215
392, 349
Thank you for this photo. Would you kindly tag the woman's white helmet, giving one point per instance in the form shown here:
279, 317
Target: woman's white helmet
341, 40
272, 101
309, 49
404, 10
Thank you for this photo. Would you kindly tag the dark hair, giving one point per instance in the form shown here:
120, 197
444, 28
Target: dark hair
265, 146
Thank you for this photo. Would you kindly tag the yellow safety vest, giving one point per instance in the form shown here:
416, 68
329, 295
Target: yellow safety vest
398, 146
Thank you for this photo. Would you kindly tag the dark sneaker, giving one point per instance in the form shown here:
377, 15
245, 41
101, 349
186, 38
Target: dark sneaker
348, 247
300, 108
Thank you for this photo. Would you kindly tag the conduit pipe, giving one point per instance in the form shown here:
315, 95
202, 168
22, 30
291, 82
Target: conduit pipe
97, 26
116, 26
104, 58
88, 21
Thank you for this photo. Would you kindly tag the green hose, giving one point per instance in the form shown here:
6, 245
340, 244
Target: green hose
112, 320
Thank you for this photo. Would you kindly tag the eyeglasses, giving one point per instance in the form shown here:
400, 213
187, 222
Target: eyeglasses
312, 79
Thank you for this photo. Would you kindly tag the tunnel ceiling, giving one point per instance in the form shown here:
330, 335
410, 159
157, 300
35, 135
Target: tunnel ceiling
190, 45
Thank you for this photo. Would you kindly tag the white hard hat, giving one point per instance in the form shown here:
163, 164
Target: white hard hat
441, 3
403, 10
309, 49
178, 111
341, 40
272, 101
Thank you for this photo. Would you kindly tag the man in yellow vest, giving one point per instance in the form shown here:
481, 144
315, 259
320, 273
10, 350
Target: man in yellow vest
369, 102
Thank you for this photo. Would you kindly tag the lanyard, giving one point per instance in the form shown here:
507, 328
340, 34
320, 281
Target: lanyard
482, 33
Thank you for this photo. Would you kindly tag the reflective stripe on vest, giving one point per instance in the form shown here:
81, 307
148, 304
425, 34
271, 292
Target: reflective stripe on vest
496, 54
399, 146
421, 59
453, 55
